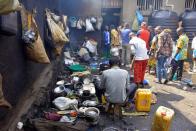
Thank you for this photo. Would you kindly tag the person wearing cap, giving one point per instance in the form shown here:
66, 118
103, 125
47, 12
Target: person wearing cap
164, 51
140, 59
181, 54
144, 34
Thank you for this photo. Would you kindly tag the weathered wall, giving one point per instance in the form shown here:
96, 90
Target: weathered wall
19, 73
128, 12
12, 67
129, 7
81, 9
178, 5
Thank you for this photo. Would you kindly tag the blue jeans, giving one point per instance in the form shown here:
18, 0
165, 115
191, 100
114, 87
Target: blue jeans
161, 70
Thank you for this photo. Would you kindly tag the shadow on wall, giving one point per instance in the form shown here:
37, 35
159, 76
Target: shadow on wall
18, 73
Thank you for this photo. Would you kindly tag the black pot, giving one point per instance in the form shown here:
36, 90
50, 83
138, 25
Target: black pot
86, 93
69, 85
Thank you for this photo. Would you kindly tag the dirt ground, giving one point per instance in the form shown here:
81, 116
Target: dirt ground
172, 96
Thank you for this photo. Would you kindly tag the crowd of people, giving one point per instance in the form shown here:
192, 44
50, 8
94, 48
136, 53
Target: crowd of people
148, 50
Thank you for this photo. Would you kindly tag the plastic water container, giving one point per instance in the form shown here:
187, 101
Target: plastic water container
143, 100
94, 65
162, 119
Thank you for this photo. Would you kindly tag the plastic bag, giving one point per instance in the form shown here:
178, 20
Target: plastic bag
56, 17
79, 26
63, 103
57, 31
61, 25
89, 26
114, 51
93, 20
58, 35
135, 25
139, 16
8, 6
168, 62
35, 51
83, 23
29, 36
64, 20
73, 22
3, 102
194, 53
92, 46
82, 52
99, 23
90, 87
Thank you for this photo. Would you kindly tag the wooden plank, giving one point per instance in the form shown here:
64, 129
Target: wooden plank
45, 125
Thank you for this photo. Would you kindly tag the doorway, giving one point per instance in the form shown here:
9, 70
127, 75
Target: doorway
111, 16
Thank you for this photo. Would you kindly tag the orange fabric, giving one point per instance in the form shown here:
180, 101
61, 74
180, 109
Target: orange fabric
145, 35
139, 70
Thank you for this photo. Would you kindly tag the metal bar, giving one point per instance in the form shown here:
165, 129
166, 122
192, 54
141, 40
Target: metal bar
153, 4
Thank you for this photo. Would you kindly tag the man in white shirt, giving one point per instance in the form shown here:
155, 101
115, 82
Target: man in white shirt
140, 59
194, 52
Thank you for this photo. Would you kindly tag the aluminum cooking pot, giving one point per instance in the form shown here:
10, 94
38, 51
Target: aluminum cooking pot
92, 115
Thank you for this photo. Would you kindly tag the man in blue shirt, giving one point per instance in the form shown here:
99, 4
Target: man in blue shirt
126, 53
106, 40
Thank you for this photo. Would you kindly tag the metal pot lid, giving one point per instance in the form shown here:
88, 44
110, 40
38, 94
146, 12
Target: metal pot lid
62, 82
86, 81
89, 103
92, 111
59, 89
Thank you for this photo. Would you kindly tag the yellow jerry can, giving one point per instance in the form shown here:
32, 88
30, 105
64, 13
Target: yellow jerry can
162, 119
143, 100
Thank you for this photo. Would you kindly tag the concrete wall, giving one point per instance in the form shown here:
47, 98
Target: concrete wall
178, 5
128, 11
18, 73
12, 67
129, 7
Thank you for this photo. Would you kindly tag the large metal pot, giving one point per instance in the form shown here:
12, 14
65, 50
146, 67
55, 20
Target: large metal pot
92, 115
